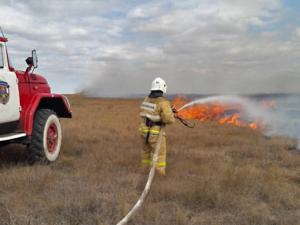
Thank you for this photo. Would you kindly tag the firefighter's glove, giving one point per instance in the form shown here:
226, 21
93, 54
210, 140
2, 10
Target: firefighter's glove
175, 111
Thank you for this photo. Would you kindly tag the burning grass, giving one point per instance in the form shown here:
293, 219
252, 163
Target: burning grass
216, 174
231, 110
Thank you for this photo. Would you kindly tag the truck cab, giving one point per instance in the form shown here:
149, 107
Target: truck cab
29, 113
9, 90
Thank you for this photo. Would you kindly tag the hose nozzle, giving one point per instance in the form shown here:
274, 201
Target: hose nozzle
174, 110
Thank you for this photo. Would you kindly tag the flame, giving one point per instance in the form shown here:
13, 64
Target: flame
223, 113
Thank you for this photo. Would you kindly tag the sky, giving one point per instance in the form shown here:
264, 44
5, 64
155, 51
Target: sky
116, 48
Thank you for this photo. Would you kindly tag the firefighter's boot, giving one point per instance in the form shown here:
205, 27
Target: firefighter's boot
161, 171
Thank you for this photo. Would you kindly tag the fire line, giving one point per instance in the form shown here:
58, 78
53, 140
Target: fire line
232, 113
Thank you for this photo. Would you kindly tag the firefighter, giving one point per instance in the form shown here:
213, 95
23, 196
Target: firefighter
155, 111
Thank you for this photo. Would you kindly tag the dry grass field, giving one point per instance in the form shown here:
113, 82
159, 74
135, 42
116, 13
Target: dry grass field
217, 175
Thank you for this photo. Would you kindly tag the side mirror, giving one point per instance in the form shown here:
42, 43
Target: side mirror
29, 61
34, 59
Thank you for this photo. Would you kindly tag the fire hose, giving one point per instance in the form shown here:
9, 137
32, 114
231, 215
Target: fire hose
146, 190
144, 194
181, 120
185, 122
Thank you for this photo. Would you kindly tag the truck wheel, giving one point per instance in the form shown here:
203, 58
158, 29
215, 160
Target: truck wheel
46, 137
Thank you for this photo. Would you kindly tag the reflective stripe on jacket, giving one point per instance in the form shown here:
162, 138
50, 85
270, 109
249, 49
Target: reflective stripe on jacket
157, 110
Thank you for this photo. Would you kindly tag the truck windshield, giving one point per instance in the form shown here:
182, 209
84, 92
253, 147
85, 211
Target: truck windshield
1, 57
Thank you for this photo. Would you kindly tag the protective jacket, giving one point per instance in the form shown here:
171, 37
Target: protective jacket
154, 112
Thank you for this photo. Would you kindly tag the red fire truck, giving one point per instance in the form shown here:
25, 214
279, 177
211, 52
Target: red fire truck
29, 112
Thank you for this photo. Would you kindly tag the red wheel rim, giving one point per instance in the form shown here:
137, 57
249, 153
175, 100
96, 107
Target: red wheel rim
52, 138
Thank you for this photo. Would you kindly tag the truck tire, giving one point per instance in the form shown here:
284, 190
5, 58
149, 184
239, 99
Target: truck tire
46, 137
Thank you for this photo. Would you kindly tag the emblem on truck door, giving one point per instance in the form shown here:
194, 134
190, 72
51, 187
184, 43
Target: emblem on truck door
4, 92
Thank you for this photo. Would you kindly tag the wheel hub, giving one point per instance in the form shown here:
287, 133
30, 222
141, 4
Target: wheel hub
52, 138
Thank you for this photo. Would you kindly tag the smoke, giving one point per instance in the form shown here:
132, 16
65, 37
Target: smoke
281, 119
285, 119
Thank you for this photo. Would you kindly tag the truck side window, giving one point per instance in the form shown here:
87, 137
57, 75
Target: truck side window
1, 57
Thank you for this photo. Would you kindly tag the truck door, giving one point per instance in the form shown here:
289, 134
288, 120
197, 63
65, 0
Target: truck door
9, 91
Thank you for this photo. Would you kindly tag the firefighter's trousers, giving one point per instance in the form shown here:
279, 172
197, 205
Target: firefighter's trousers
148, 151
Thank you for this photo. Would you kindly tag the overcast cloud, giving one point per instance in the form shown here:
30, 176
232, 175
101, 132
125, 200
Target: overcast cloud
112, 48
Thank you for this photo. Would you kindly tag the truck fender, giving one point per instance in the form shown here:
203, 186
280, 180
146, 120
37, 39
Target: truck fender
56, 102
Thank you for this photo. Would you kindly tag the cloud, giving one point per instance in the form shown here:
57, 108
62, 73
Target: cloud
116, 48
207, 48
65, 39
298, 32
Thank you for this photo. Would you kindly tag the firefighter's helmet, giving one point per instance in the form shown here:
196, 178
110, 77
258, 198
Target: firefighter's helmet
159, 84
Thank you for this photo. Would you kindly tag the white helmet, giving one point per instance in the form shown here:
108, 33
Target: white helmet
158, 84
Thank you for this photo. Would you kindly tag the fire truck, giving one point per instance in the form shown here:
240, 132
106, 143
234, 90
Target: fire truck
29, 112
